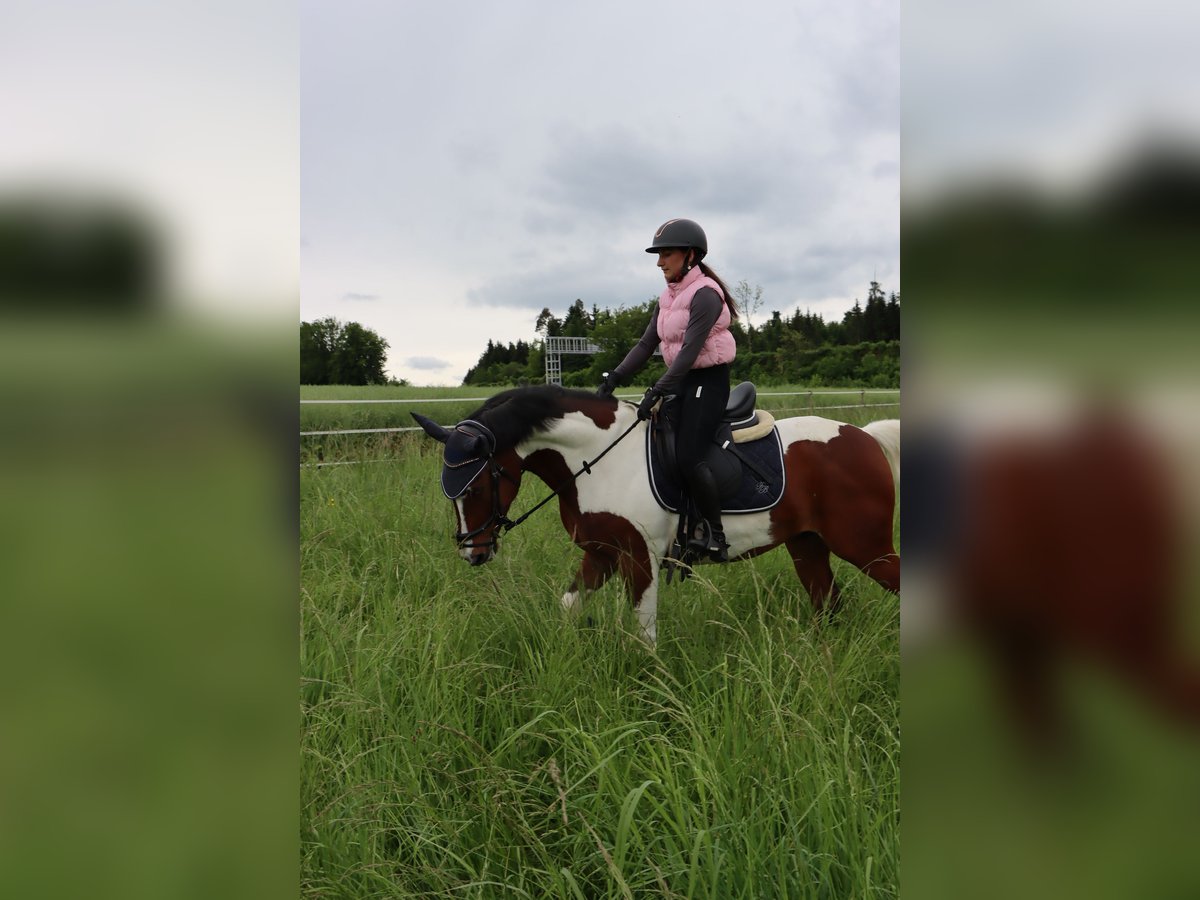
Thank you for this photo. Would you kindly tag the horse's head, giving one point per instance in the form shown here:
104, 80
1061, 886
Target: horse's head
480, 480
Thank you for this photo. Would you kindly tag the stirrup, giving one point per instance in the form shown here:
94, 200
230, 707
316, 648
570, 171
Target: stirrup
718, 547
710, 543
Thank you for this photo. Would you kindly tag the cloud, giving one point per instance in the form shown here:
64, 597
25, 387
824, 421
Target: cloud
888, 168
610, 172
425, 363
556, 287
543, 170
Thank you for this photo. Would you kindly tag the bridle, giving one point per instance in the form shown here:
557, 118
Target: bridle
498, 519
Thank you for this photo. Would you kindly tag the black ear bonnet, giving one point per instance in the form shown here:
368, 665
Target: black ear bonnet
468, 448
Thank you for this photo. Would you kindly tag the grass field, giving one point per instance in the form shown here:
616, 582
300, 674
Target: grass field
461, 738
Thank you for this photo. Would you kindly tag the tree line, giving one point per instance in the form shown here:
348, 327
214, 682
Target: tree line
861, 350
335, 353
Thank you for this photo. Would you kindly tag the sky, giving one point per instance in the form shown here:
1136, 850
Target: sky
1054, 93
465, 164
441, 172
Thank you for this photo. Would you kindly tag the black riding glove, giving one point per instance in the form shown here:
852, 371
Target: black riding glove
652, 396
610, 383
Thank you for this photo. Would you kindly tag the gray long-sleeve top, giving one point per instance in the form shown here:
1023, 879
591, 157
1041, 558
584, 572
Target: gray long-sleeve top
705, 310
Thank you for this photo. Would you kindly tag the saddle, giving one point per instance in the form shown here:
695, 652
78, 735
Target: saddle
746, 457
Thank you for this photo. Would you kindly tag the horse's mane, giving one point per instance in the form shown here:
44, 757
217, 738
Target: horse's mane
515, 414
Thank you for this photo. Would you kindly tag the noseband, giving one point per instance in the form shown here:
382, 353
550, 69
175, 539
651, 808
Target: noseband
496, 520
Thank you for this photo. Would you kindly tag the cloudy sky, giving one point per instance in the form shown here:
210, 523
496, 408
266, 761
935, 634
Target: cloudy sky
465, 164
1056, 93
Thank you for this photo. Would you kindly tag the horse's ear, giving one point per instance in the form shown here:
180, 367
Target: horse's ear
432, 428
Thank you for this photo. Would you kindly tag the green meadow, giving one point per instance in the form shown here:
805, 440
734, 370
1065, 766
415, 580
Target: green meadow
462, 737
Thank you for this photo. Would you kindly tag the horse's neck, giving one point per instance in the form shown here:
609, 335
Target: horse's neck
576, 437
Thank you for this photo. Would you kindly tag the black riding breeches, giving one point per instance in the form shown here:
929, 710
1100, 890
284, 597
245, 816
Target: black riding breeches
700, 407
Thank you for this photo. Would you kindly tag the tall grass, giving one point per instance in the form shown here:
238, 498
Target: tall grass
462, 738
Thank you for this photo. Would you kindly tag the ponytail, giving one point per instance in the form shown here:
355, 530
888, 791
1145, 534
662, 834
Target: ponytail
708, 272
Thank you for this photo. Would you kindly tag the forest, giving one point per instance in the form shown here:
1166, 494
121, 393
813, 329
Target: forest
861, 350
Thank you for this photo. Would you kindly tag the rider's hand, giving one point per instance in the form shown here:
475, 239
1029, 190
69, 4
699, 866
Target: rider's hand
610, 383
652, 396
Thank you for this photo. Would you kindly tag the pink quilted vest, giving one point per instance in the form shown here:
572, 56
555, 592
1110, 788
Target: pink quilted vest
674, 309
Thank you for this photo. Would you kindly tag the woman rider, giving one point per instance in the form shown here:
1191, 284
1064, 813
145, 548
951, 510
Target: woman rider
691, 324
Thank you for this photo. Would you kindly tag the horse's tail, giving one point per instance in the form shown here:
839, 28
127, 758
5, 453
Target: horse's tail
887, 433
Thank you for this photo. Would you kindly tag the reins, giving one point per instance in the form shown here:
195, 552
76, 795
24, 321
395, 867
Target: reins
508, 524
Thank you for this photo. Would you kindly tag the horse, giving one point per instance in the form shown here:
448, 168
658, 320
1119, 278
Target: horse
840, 493
1058, 542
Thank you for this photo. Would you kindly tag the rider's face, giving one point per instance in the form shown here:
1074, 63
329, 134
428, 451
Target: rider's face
671, 262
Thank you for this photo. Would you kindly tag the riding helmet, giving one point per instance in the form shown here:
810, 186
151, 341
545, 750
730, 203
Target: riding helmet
682, 234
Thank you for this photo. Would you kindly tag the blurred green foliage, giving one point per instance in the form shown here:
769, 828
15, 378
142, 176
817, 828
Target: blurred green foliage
147, 577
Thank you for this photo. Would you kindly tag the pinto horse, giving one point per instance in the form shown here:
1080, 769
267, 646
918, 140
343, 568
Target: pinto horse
840, 493
1064, 542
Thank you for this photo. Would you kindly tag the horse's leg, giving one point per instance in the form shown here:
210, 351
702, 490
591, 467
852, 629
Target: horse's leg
1025, 667
867, 544
884, 569
810, 556
639, 571
1141, 646
593, 572
647, 611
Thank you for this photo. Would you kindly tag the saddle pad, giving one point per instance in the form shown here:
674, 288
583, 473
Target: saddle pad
764, 426
753, 494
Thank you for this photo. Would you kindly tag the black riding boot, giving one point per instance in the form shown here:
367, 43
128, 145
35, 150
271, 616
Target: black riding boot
707, 498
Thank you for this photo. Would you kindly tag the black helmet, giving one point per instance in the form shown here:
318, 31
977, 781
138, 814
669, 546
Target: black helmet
680, 234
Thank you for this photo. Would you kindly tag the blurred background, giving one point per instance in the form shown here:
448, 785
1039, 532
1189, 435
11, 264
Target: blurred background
1049, 628
148, 290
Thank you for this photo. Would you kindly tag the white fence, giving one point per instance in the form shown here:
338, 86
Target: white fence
861, 394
